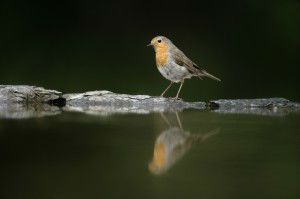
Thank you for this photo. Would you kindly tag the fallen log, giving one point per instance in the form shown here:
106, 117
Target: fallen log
31, 101
263, 106
108, 102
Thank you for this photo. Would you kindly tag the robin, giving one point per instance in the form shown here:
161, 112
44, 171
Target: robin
174, 65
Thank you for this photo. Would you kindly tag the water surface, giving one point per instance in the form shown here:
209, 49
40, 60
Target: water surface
191, 154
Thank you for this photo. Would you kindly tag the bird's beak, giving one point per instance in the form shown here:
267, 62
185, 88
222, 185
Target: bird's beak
149, 45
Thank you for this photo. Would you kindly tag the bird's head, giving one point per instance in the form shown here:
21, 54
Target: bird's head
159, 42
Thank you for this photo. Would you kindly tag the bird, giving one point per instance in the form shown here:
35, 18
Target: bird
174, 65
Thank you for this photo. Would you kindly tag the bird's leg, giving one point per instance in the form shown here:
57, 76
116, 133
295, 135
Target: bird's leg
165, 118
177, 95
167, 89
178, 120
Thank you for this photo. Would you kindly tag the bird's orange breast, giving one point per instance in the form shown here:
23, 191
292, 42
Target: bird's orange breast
161, 55
159, 157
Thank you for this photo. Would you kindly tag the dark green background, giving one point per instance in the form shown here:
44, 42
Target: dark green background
74, 46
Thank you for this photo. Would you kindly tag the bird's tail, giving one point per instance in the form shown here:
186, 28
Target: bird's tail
206, 74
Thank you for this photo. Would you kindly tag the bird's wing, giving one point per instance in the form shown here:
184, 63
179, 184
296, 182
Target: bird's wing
182, 60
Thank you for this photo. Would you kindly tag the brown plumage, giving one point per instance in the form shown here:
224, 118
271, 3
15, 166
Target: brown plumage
182, 60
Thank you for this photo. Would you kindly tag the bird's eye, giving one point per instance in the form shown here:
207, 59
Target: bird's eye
159, 40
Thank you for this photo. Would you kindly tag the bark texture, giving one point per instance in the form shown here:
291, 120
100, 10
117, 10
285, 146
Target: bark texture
31, 101
106, 102
27, 94
264, 106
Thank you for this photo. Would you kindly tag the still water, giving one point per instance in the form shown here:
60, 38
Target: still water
189, 154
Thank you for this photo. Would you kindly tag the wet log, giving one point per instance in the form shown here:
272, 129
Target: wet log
27, 94
21, 101
106, 102
263, 106
31, 101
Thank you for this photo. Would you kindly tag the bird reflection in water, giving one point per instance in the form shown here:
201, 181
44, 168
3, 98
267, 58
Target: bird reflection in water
172, 144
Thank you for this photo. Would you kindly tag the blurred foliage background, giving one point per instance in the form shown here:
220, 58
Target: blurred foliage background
75, 46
